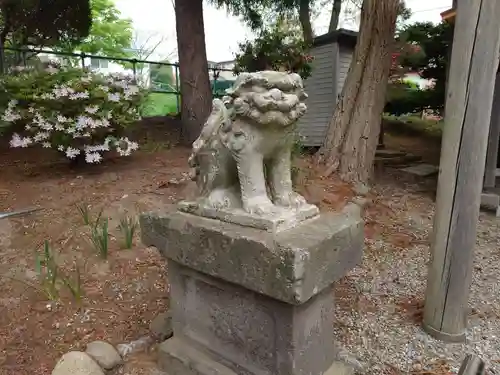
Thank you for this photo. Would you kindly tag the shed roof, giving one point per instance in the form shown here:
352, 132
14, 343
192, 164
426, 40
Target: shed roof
341, 36
449, 15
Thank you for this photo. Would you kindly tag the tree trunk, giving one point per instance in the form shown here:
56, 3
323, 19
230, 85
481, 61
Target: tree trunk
193, 68
351, 140
334, 18
305, 20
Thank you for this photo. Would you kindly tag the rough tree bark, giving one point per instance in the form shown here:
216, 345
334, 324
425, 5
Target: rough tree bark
305, 20
335, 16
193, 68
352, 136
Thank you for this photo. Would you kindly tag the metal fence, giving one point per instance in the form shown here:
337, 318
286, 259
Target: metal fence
160, 78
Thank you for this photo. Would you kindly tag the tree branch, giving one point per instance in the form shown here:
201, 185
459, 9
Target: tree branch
335, 16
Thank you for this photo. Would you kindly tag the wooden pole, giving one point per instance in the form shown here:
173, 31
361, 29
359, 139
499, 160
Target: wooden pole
463, 152
493, 139
472, 365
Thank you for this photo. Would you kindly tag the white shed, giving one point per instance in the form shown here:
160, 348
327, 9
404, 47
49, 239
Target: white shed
332, 54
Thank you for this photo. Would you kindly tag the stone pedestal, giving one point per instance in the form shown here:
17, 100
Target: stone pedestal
246, 301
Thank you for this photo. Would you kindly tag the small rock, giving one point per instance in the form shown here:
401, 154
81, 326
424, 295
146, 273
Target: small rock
161, 326
344, 356
30, 275
105, 354
360, 201
361, 189
134, 346
77, 363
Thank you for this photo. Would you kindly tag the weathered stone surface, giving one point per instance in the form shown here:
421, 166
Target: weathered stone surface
389, 153
291, 266
421, 170
77, 363
340, 368
180, 358
248, 332
249, 131
273, 222
104, 354
134, 346
161, 326
490, 201
350, 361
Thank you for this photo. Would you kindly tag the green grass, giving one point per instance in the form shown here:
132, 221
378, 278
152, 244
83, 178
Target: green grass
413, 125
160, 104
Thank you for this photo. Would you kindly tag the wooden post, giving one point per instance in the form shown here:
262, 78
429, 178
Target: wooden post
463, 152
493, 139
472, 365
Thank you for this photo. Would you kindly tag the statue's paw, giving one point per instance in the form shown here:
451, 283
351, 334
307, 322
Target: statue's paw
290, 200
259, 206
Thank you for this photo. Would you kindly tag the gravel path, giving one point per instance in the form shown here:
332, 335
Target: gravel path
381, 325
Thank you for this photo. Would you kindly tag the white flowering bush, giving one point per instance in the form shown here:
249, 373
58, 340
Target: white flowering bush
77, 112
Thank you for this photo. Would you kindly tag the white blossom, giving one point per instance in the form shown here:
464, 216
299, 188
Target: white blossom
41, 136
62, 91
93, 157
91, 109
114, 97
47, 96
79, 95
72, 153
133, 90
18, 141
11, 116
62, 119
124, 146
45, 118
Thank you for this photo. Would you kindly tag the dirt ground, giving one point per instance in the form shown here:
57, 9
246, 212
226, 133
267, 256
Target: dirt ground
123, 293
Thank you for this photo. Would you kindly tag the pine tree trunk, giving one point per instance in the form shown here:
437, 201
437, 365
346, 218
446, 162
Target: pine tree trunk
352, 136
196, 95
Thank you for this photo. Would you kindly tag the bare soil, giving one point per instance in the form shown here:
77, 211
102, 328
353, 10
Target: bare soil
125, 291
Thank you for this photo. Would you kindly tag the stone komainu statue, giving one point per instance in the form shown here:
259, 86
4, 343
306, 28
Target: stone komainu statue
242, 158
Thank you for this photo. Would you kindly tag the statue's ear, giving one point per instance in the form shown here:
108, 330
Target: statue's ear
227, 101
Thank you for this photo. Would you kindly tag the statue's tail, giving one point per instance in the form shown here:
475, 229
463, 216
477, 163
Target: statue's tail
218, 117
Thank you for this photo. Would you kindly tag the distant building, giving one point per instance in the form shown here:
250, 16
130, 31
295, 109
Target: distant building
224, 69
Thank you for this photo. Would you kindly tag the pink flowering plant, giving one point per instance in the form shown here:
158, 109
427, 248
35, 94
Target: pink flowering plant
76, 112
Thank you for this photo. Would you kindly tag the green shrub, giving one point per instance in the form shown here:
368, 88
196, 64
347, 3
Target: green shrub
79, 113
405, 97
413, 125
275, 49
